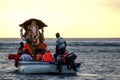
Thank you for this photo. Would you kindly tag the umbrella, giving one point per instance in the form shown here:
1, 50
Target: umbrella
28, 22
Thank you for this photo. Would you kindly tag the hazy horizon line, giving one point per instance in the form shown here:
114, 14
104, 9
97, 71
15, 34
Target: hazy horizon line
69, 39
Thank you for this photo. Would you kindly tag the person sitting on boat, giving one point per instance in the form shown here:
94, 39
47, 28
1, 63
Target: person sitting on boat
20, 49
26, 56
19, 53
69, 59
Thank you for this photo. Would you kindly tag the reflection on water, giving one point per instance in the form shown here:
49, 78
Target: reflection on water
88, 75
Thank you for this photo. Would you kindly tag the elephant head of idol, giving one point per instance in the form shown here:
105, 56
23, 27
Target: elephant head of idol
32, 33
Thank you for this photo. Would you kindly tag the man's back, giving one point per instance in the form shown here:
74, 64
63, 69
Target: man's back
61, 43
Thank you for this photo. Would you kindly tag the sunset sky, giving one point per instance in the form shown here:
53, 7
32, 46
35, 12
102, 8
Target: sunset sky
71, 18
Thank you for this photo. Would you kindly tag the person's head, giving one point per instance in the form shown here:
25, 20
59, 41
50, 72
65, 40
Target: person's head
57, 35
21, 44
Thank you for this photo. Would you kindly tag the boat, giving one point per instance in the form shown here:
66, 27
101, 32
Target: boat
42, 67
32, 26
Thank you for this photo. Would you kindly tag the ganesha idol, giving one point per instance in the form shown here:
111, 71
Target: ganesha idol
33, 32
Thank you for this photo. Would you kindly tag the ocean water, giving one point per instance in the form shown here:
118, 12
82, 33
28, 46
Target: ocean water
100, 60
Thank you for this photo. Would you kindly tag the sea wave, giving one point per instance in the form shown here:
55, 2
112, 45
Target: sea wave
70, 43
96, 43
76, 46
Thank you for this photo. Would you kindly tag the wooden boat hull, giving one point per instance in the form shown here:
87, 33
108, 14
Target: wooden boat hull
41, 67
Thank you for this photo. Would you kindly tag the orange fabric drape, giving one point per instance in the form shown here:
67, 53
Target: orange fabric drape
27, 46
48, 57
16, 60
39, 57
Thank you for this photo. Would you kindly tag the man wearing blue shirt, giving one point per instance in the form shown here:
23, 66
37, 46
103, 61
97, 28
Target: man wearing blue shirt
60, 45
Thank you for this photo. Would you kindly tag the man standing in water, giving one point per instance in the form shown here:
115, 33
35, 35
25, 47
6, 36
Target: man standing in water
60, 50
